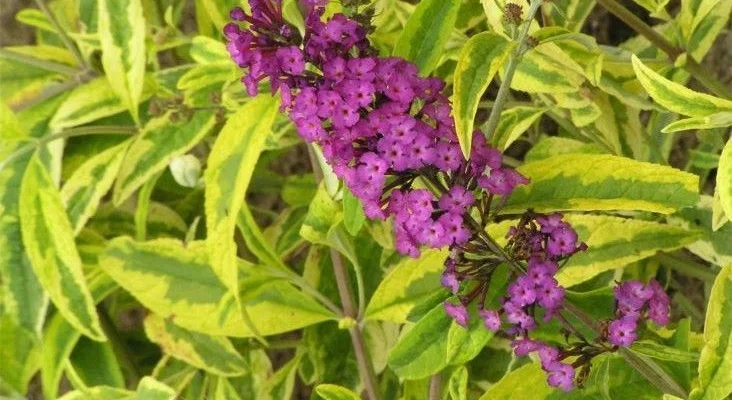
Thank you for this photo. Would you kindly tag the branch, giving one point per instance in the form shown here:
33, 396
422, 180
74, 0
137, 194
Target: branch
62, 34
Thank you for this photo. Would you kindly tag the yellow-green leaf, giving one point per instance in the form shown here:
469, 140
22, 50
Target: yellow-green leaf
121, 28
478, 62
426, 32
173, 280
49, 242
210, 353
335, 392
59, 337
718, 120
513, 123
602, 182
92, 101
547, 69
155, 146
724, 179
715, 363
409, 283
83, 191
230, 168
715, 246
677, 97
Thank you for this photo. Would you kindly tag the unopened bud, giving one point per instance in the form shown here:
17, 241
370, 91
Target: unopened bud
512, 13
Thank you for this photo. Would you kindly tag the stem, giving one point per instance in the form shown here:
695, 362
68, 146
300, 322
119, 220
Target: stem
37, 62
513, 62
686, 267
62, 34
436, 387
673, 52
83, 131
363, 358
306, 287
118, 346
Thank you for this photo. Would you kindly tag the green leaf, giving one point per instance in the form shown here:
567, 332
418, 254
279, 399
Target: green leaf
353, 216
715, 363
281, 384
479, 60
95, 364
84, 190
121, 28
676, 97
150, 389
255, 240
152, 150
99, 392
714, 246
724, 179
49, 242
230, 168
602, 182
514, 122
435, 342
205, 50
21, 295
409, 283
547, 69
172, 280
457, 386
700, 23
20, 354
570, 14
335, 392
550, 146
614, 242
209, 353
426, 32
717, 120
204, 75
665, 353
323, 214
59, 337
92, 101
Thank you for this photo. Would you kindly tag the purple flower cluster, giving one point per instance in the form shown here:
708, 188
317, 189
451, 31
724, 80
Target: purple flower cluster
542, 241
559, 374
634, 301
379, 124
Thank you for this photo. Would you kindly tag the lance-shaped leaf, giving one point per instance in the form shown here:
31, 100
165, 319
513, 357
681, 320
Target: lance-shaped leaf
335, 392
409, 283
677, 97
281, 384
724, 179
83, 191
602, 182
212, 354
94, 364
715, 362
178, 282
230, 168
427, 30
49, 243
714, 246
90, 102
121, 28
718, 120
615, 242
59, 337
513, 123
21, 294
435, 342
478, 63
157, 144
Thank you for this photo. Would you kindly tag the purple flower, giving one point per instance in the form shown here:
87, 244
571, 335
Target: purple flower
550, 222
622, 332
457, 200
491, 320
562, 241
522, 347
560, 375
502, 181
457, 312
449, 280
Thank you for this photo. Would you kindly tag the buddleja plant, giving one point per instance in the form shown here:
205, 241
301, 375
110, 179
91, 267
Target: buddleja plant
375, 216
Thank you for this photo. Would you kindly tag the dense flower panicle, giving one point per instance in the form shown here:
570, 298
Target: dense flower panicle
375, 119
634, 302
